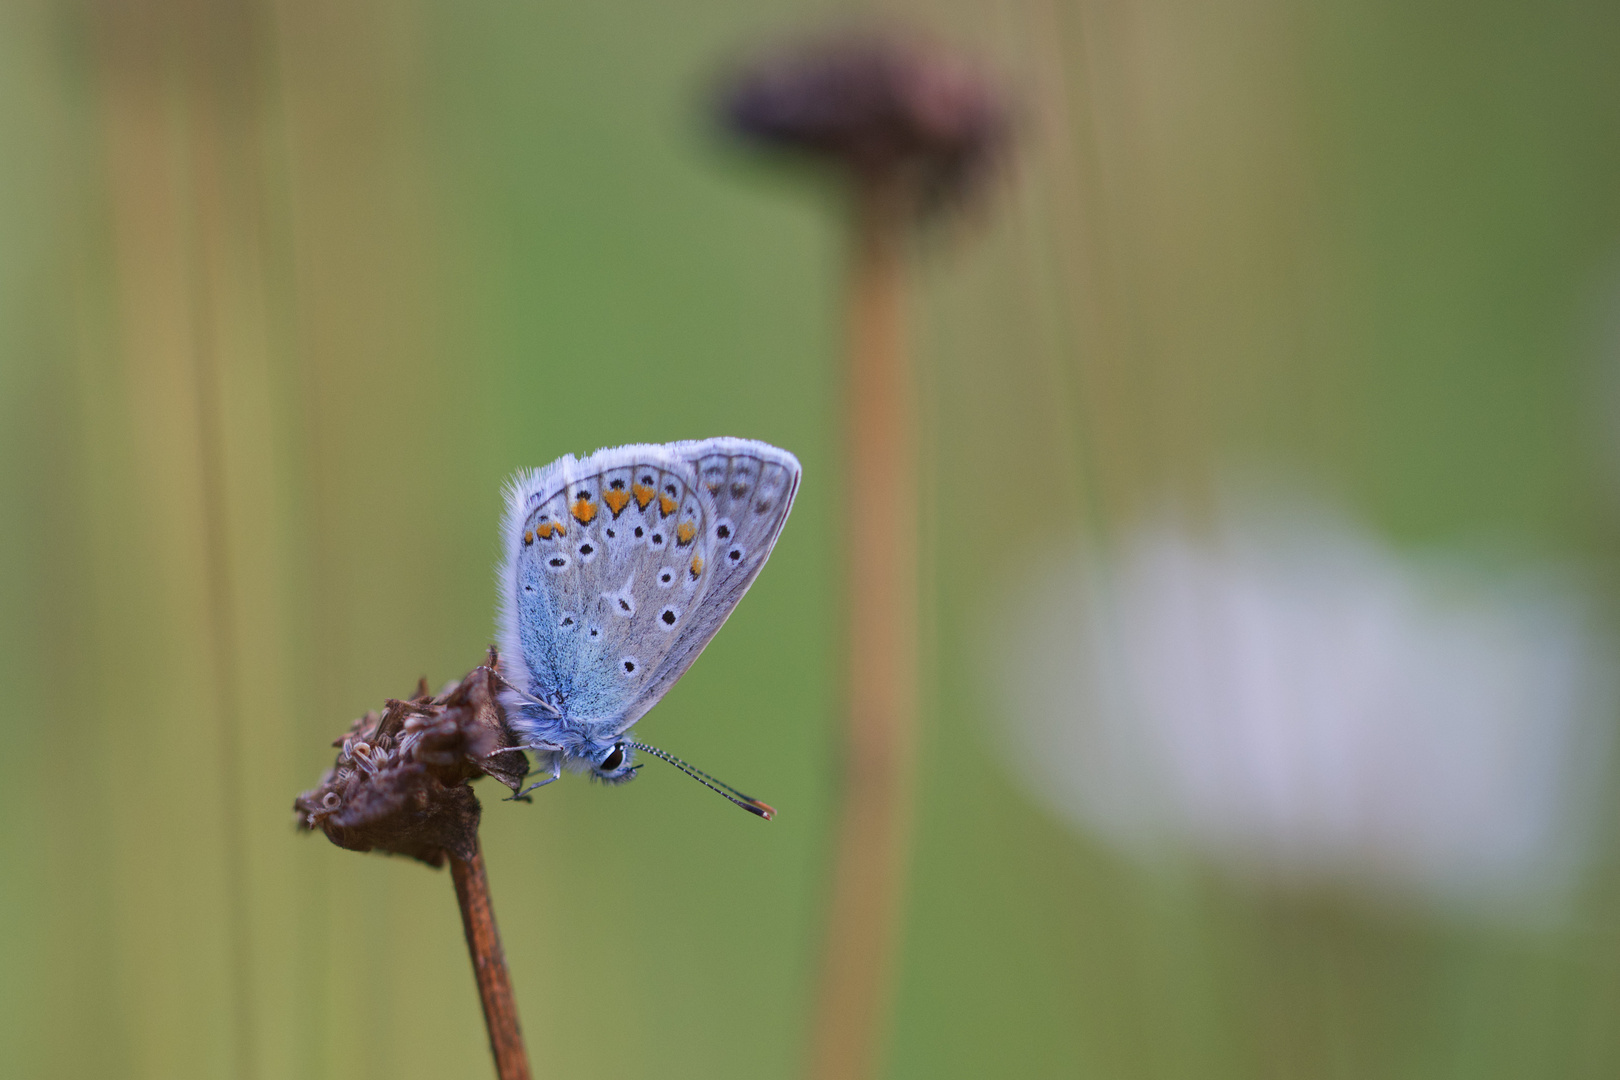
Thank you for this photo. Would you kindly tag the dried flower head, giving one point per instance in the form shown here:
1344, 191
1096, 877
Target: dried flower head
881, 107
401, 780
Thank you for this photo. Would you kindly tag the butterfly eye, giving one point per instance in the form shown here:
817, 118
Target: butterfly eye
614, 760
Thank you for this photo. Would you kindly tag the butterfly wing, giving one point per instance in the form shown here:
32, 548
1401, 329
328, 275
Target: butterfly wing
616, 575
745, 489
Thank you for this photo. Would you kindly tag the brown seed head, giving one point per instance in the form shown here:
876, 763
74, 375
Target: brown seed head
880, 107
401, 780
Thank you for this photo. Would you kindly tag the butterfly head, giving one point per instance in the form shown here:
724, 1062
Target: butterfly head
612, 764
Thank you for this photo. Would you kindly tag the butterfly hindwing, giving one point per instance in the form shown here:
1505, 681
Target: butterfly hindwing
746, 490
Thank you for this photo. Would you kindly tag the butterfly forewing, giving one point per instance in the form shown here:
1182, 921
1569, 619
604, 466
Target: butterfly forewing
600, 564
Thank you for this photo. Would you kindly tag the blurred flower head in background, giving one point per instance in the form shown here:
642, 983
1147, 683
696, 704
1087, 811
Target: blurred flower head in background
1288, 695
878, 105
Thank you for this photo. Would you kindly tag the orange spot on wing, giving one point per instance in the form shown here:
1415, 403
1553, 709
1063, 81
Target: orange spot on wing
684, 533
666, 506
697, 566
543, 530
562, 529
584, 510
643, 495
528, 537
616, 500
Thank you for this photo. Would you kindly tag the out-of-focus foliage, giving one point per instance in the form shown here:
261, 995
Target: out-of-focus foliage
287, 289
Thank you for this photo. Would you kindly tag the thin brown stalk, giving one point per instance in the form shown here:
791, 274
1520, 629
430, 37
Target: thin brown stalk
881, 484
489, 966
402, 784
915, 132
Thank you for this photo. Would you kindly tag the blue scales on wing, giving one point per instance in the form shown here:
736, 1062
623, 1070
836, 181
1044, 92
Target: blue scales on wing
622, 566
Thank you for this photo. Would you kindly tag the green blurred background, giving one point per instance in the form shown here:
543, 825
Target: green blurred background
288, 289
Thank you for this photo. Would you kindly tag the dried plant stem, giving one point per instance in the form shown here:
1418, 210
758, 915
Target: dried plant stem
489, 967
872, 839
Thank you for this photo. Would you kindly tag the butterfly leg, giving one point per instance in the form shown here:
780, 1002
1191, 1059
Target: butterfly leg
556, 771
547, 748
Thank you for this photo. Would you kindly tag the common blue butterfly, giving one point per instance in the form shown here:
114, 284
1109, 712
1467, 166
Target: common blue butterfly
618, 570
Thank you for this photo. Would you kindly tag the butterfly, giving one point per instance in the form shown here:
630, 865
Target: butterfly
618, 570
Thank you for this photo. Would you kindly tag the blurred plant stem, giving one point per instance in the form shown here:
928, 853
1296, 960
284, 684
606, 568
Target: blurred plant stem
881, 491
489, 966
913, 131
182, 122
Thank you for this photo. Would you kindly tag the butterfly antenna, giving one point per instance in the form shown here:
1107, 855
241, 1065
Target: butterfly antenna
726, 791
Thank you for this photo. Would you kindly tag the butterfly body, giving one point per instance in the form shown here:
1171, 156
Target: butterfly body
619, 568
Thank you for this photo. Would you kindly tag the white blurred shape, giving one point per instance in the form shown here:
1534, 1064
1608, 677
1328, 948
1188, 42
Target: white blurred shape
1288, 695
